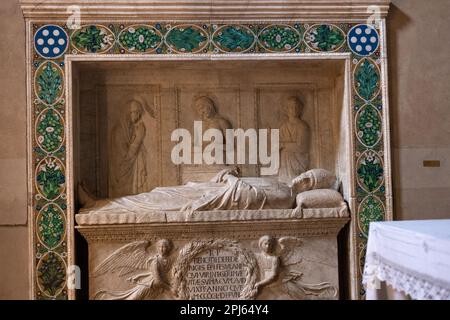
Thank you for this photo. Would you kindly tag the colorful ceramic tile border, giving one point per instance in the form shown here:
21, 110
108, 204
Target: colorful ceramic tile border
52, 41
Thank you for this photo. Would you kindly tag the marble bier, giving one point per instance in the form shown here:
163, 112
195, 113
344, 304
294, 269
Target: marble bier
311, 195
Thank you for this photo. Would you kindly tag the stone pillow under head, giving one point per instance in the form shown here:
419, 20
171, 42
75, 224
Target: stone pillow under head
320, 198
315, 179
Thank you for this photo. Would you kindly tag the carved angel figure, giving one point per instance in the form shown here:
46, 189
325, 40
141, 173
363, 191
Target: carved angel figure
275, 262
128, 261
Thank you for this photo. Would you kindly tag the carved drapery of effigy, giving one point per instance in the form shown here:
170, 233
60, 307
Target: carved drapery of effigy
70, 117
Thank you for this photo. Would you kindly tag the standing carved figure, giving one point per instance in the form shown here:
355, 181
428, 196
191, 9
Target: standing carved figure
128, 153
211, 119
294, 142
208, 113
276, 261
129, 260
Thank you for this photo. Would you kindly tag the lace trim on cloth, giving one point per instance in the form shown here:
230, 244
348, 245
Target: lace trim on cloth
402, 280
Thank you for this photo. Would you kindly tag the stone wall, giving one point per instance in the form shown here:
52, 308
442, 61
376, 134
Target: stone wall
420, 114
14, 255
420, 101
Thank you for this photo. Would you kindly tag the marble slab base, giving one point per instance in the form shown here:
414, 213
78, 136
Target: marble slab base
251, 259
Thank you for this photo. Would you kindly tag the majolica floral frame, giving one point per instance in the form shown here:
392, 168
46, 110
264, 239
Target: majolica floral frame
52, 47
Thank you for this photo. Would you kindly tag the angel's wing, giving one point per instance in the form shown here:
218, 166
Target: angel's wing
287, 244
125, 260
297, 289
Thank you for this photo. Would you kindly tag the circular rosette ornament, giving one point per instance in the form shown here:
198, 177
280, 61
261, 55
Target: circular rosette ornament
187, 39
279, 38
140, 39
233, 38
363, 40
50, 41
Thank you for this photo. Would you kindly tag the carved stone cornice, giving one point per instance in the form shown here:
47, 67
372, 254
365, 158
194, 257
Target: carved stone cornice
204, 10
241, 230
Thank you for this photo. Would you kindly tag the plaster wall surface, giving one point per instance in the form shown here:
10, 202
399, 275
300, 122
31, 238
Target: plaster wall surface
419, 74
14, 257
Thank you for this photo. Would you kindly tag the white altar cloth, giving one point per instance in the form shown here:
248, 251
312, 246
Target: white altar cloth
413, 257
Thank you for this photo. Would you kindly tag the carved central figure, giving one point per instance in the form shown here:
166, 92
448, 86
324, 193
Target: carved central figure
211, 118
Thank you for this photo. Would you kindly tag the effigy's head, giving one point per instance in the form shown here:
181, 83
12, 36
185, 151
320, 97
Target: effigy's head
267, 244
164, 247
293, 107
315, 179
303, 182
205, 107
135, 110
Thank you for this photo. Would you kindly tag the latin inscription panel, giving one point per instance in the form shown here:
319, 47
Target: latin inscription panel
215, 274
